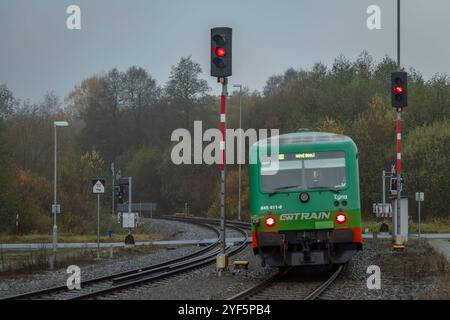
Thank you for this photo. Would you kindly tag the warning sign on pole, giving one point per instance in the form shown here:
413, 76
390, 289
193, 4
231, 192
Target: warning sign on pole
98, 186
128, 220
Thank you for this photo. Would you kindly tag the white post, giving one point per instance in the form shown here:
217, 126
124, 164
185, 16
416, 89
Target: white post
54, 207
419, 218
113, 185
384, 188
129, 196
55, 228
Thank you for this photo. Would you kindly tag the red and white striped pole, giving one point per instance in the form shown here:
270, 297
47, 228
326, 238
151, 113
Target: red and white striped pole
399, 169
399, 142
223, 128
399, 137
222, 164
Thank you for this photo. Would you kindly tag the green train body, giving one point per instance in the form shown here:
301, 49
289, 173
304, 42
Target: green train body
305, 207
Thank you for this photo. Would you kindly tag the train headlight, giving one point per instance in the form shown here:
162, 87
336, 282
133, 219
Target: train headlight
270, 221
341, 218
304, 197
255, 222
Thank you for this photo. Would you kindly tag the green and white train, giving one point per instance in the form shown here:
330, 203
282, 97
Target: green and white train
305, 207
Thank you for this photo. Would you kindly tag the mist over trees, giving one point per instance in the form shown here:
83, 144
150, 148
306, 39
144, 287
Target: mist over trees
126, 117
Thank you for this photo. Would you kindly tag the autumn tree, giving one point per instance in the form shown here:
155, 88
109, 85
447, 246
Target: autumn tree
373, 133
427, 166
185, 87
7, 168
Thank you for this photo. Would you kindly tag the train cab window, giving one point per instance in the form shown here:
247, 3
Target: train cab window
313, 170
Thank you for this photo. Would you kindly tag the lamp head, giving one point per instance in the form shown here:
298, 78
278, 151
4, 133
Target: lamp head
60, 123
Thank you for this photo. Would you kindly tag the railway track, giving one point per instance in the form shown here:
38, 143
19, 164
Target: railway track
127, 280
274, 287
135, 280
241, 224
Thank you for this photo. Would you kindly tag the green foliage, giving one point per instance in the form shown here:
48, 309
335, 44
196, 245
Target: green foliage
126, 117
232, 195
7, 102
144, 166
7, 183
185, 88
35, 199
374, 134
7, 177
427, 166
184, 82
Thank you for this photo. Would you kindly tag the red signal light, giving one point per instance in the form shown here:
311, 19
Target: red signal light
220, 52
341, 218
398, 89
270, 221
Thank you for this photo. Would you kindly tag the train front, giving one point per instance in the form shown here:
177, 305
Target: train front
304, 203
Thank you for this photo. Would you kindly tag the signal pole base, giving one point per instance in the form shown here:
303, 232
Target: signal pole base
399, 243
221, 263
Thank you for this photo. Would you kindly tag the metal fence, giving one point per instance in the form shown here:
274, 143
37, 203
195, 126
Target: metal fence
146, 209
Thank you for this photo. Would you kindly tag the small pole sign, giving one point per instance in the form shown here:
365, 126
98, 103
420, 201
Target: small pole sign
56, 208
98, 187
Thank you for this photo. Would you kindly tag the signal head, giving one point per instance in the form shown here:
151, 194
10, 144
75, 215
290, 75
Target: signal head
221, 52
399, 86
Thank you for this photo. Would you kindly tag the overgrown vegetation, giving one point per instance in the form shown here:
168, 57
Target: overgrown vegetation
21, 262
126, 117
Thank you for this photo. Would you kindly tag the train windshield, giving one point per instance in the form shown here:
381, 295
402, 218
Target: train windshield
305, 171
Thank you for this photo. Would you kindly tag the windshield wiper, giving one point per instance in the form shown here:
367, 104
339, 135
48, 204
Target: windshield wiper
276, 190
325, 188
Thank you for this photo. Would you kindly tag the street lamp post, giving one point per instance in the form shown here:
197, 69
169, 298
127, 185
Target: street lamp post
55, 206
240, 150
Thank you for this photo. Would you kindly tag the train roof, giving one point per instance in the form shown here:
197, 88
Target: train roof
307, 137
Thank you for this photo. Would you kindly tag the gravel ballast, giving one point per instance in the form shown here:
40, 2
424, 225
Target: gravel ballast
416, 273
21, 283
178, 230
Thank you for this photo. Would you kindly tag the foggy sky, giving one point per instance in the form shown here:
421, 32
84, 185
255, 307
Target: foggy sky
38, 53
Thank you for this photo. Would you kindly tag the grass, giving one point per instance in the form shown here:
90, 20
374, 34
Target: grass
40, 238
441, 225
23, 262
19, 262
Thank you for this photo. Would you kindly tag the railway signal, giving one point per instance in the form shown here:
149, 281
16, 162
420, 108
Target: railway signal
122, 191
393, 185
221, 53
399, 89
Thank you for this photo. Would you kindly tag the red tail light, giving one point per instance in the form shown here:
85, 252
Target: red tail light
341, 218
270, 221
